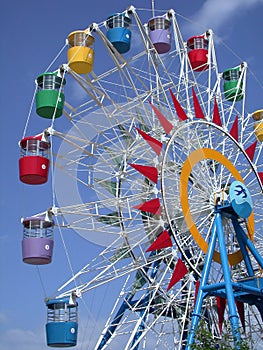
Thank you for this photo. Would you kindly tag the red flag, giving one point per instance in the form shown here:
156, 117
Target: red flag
167, 126
234, 129
179, 110
161, 242
216, 115
221, 305
149, 171
198, 110
152, 206
241, 312
179, 272
155, 144
251, 150
197, 285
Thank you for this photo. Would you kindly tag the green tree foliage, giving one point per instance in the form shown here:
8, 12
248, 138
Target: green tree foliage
204, 339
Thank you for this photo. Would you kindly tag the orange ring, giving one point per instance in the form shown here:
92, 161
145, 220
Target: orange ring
195, 157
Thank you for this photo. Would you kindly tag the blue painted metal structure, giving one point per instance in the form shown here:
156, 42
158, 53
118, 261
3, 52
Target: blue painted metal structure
142, 307
127, 304
249, 290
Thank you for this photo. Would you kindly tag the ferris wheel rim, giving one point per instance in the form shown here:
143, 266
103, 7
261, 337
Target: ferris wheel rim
203, 153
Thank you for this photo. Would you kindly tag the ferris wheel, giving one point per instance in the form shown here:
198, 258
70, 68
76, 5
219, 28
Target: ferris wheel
154, 158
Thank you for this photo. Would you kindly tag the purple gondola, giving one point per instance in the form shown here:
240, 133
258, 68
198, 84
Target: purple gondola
37, 243
159, 33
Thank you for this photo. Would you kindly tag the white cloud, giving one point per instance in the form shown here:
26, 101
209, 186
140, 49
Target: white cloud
19, 339
35, 339
215, 14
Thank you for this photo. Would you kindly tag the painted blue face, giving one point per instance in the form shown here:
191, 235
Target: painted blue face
240, 199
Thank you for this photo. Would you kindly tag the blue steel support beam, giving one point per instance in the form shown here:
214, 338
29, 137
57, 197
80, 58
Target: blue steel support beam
227, 287
248, 242
243, 247
233, 315
201, 294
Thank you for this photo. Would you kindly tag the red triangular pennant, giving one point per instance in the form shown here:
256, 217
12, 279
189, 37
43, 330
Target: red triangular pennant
216, 115
241, 312
155, 144
149, 171
179, 110
161, 242
234, 129
167, 126
179, 272
251, 150
221, 305
198, 110
152, 206
197, 285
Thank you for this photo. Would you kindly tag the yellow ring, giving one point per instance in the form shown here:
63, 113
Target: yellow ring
195, 157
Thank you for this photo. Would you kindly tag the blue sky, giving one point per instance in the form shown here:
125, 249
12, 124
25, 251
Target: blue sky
33, 32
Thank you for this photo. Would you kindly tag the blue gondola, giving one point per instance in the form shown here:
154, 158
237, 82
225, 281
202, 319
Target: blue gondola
61, 326
118, 31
